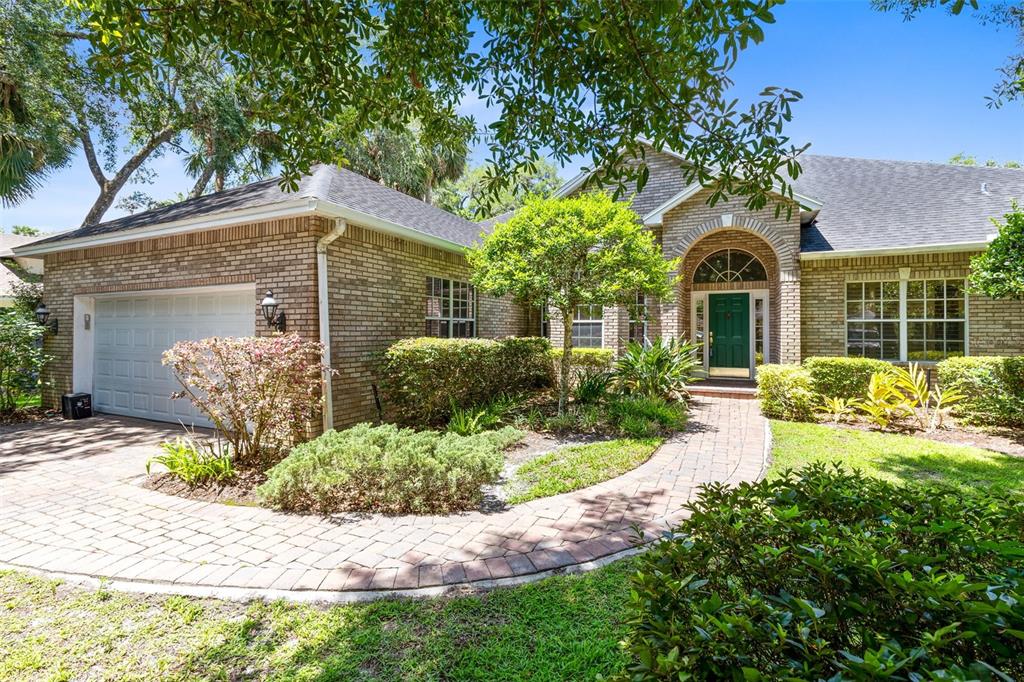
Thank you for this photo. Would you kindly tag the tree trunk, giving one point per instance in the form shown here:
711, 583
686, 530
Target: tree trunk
563, 380
201, 182
110, 188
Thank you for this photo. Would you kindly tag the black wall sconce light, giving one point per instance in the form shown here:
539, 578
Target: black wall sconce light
272, 313
43, 318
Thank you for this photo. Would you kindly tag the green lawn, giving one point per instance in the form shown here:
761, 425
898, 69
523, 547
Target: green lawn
562, 628
894, 457
579, 466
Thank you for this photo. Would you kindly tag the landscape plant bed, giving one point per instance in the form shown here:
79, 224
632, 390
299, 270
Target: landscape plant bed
239, 490
27, 415
1002, 440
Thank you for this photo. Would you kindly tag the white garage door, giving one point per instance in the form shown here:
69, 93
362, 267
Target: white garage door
133, 332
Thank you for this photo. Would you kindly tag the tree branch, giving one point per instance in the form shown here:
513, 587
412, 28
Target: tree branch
90, 154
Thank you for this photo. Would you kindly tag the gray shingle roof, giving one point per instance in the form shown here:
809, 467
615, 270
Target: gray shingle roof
870, 204
326, 183
488, 225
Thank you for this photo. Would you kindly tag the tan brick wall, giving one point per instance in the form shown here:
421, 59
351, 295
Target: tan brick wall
994, 327
377, 295
376, 284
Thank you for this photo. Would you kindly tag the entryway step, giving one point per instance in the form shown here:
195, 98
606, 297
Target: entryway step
744, 390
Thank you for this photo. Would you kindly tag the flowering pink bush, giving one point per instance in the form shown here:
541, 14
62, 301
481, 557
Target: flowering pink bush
261, 393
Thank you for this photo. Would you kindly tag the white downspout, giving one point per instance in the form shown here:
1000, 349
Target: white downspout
323, 302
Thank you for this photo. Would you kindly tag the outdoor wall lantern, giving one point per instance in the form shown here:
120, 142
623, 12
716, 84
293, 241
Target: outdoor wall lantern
43, 318
273, 316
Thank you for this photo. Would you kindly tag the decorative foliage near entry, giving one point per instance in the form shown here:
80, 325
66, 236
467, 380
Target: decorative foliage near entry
785, 392
387, 469
21, 357
824, 575
566, 253
993, 388
423, 378
842, 377
662, 370
260, 393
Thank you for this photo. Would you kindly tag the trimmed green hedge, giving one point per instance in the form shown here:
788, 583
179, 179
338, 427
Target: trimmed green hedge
994, 387
420, 379
828, 575
843, 377
387, 469
597, 358
785, 392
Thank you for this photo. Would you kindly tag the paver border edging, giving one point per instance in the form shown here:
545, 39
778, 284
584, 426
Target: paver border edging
324, 597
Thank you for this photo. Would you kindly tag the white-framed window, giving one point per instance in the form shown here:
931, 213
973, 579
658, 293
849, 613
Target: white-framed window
588, 326
638, 320
451, 308
916, 320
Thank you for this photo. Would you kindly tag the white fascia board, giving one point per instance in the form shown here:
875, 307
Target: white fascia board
284, 209
572, 185
287, 209
362, 219
895, 250
657, 215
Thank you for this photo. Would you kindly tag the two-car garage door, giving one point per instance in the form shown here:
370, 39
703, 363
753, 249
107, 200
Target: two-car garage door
131, 334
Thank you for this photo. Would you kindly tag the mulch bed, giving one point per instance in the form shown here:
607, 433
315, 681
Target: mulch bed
26, 416
241, 490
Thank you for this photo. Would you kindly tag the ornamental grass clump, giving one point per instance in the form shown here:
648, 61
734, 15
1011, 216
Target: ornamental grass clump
261, 393
387, 469
825, 575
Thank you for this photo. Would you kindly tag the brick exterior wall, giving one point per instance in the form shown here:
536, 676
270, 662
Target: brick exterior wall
377, 288
993, 327
376, 283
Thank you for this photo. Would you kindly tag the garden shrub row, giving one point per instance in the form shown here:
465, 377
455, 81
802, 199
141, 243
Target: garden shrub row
842, 377
387, 469
993, 388
827, 575
422, 378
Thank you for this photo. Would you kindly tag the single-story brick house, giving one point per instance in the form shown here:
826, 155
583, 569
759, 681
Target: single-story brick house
871, 262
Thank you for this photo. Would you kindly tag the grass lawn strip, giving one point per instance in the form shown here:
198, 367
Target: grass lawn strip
894, 457
561, 628
578, 467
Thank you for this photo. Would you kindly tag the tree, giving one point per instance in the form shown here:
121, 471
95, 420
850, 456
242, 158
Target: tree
53, 100
587, 77
469, 196
961, 159
26, 231
1007, 14
409, 160
564, 253
998, 272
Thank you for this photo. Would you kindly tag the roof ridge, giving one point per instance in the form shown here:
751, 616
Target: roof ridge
905, 161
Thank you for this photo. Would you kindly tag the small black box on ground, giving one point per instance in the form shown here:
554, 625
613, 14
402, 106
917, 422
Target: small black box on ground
76, 405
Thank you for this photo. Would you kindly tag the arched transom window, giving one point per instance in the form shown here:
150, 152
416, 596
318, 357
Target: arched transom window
730, 265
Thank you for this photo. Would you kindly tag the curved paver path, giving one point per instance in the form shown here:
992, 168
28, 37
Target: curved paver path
70, 506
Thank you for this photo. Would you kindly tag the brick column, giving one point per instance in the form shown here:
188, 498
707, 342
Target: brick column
789, 314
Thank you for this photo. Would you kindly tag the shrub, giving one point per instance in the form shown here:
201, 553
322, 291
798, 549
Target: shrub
261, 393
583, 359
837, 409
929, 405
195, 461
993, 388
21, 357
422, 378
662, 370
640, 417
832, 575
387, 469
842, 377
884, 403
785, 392
592, 385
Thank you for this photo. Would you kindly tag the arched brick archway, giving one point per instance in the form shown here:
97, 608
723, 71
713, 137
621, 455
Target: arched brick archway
785, 254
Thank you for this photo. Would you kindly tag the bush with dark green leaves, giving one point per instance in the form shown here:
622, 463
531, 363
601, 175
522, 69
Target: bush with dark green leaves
843, 377
387, 469
993, 386
785, 392
422, 379
828, 575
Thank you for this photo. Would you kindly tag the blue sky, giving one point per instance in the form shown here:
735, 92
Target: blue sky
874, 86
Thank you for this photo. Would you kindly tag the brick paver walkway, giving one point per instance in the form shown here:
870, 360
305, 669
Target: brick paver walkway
70, 506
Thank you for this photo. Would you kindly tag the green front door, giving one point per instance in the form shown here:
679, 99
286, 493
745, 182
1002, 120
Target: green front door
729, 324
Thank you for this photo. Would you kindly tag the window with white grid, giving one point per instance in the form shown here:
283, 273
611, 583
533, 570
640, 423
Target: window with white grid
450, 308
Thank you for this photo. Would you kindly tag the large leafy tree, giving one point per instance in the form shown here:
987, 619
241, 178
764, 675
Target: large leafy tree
470, 197
998, 272
564, 253
54, 101
569, 78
